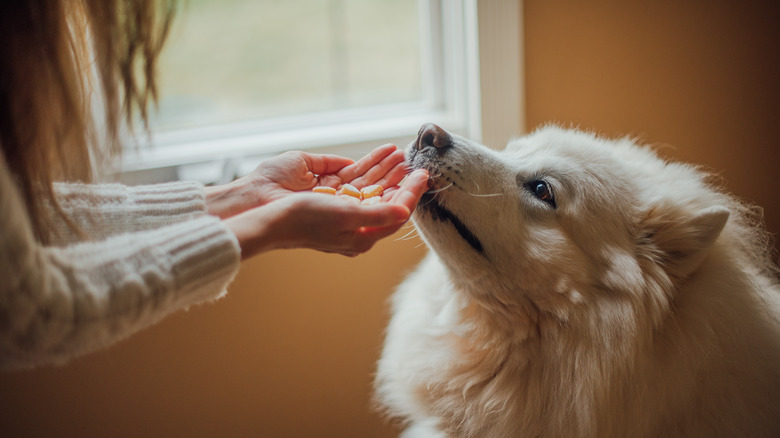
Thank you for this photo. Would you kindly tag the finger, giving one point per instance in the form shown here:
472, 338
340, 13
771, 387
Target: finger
379, 216
349, 173
379, 171
329, 180
375, 234
414, 187
325, 164
394, 176
365, 237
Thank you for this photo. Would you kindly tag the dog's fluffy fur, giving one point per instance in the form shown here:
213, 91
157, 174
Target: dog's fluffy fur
632, 298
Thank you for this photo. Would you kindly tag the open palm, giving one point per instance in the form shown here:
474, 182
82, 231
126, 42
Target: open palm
298, 171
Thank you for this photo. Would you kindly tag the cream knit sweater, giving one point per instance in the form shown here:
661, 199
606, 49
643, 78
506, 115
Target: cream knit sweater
152, 250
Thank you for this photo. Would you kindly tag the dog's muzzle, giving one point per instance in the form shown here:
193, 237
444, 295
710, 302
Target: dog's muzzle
427, 151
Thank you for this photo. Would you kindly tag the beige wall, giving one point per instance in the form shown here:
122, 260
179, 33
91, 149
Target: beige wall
290, 352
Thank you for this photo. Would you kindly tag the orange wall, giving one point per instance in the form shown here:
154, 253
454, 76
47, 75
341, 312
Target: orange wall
290, 351
701, 78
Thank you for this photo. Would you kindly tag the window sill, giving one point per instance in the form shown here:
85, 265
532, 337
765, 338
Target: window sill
219, 153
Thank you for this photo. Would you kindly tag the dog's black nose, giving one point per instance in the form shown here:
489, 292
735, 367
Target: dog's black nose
432, 135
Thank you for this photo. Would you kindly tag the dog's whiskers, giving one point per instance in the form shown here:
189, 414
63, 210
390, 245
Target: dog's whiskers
485, 195
440, 190
481, 195
410, 235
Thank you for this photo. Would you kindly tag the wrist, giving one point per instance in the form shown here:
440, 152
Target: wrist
230, 199
254, 230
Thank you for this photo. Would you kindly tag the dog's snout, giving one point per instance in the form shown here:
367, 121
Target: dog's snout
431, 135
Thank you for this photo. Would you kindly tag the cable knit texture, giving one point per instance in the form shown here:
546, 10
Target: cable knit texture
107, 209
150, 251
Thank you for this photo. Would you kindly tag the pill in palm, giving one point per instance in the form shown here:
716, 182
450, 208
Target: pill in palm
371, 201
324, 189
371, 191
368, 195
349, 190
349, 198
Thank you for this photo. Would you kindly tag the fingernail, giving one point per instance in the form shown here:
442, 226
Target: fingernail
422, 177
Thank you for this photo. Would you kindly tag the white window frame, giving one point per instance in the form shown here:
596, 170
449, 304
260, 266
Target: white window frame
472, 86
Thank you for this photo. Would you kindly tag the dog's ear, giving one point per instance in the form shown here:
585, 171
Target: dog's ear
680, 242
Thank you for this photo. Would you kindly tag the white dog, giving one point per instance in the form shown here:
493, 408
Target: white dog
581, 287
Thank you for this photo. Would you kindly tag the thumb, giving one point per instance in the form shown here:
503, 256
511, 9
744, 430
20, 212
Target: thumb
381, 216
415, 185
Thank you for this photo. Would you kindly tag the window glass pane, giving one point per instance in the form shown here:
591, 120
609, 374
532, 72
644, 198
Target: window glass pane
239, 60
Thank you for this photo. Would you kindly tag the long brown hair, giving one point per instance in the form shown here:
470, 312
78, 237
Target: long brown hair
69, 71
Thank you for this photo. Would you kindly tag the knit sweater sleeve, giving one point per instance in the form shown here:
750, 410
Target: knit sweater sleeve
59, 302
102, 210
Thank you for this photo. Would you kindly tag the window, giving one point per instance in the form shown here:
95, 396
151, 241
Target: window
242, 80
240, 60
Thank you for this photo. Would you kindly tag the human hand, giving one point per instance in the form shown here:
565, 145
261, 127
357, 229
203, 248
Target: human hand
326, 223
296, 171
293, 172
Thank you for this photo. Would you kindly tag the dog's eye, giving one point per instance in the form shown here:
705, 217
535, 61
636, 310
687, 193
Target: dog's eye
542, 190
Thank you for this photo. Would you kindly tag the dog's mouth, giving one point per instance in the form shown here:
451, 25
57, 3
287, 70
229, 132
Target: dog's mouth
440, 213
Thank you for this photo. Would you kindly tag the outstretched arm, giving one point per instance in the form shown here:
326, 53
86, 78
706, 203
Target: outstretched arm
61, 301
